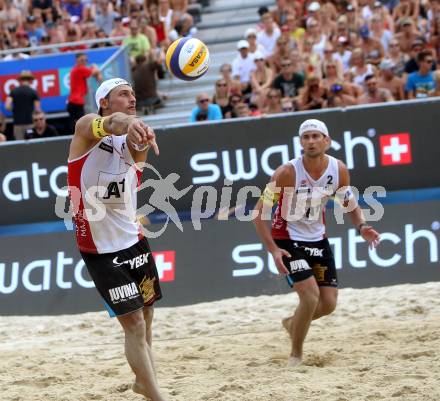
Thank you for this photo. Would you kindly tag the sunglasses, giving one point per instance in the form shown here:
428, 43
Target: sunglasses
220, 85
203, 100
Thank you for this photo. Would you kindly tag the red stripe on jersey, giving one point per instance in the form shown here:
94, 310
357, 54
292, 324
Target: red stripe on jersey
279, 225
139, 176
84, 237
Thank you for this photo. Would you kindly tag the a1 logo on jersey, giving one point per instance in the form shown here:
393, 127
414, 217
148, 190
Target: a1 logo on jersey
395, 149
165, 264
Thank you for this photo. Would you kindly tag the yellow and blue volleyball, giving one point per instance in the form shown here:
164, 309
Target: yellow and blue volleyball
187, 58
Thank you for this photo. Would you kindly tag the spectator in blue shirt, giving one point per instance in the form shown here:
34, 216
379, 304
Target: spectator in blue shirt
421, 83
205, 111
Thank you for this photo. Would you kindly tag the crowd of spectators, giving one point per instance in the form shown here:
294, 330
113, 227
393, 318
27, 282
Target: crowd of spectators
309, 55
146, 24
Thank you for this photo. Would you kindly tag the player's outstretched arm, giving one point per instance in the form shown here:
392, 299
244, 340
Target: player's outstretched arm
283, 177
357, 217
91, 128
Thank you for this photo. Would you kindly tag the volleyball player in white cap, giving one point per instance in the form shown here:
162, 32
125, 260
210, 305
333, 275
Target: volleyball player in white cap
298, 241
103, 158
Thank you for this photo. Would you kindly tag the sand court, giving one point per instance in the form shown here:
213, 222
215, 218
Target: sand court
379, 344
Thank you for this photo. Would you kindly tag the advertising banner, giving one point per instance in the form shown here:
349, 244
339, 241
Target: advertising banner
52, 73
392, 146
224, 259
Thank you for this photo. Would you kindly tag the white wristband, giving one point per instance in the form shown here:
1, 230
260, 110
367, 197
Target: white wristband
139, 148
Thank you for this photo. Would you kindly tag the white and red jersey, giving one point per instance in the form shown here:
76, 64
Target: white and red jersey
305, 206
102, 186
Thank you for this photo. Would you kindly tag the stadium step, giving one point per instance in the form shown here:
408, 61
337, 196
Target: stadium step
223, 24
218, 6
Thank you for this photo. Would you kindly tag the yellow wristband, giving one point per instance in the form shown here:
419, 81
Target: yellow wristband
98, 128
269, 197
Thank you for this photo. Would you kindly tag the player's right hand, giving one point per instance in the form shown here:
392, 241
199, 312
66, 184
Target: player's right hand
141, 134
278, 259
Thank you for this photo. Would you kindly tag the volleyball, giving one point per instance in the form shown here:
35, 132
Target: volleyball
187, 58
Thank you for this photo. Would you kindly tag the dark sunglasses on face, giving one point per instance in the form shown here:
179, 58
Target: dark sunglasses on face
221, 85
203, 100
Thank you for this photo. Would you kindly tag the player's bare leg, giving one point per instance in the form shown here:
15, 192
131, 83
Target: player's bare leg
138, 354
298, 325
328, 297
148, 312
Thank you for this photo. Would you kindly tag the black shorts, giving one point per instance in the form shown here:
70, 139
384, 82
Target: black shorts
309, 259
127, 279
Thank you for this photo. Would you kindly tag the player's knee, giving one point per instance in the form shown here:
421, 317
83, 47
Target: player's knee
134, 324
309, 296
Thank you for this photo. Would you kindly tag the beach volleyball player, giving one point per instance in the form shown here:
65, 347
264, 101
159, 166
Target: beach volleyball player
102, 171
298, 241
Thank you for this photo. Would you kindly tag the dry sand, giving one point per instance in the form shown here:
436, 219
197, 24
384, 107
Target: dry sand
380, 344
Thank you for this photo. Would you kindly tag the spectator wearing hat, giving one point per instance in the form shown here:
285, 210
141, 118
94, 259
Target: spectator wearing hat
342, 53
251, 36
374, 94
389, 80
40, 129
78, 88
372, 48
261, 80
421, 84
288, 82
269, 35
22, 101
243, 65
205, 111
354, 21
407, 35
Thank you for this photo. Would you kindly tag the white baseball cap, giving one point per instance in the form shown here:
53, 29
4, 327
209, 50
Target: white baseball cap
313, 125
107, 86
250, 31
242, 44
314, 6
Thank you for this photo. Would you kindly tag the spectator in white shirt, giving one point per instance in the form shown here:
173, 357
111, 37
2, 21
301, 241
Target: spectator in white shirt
268, 37
243, 65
